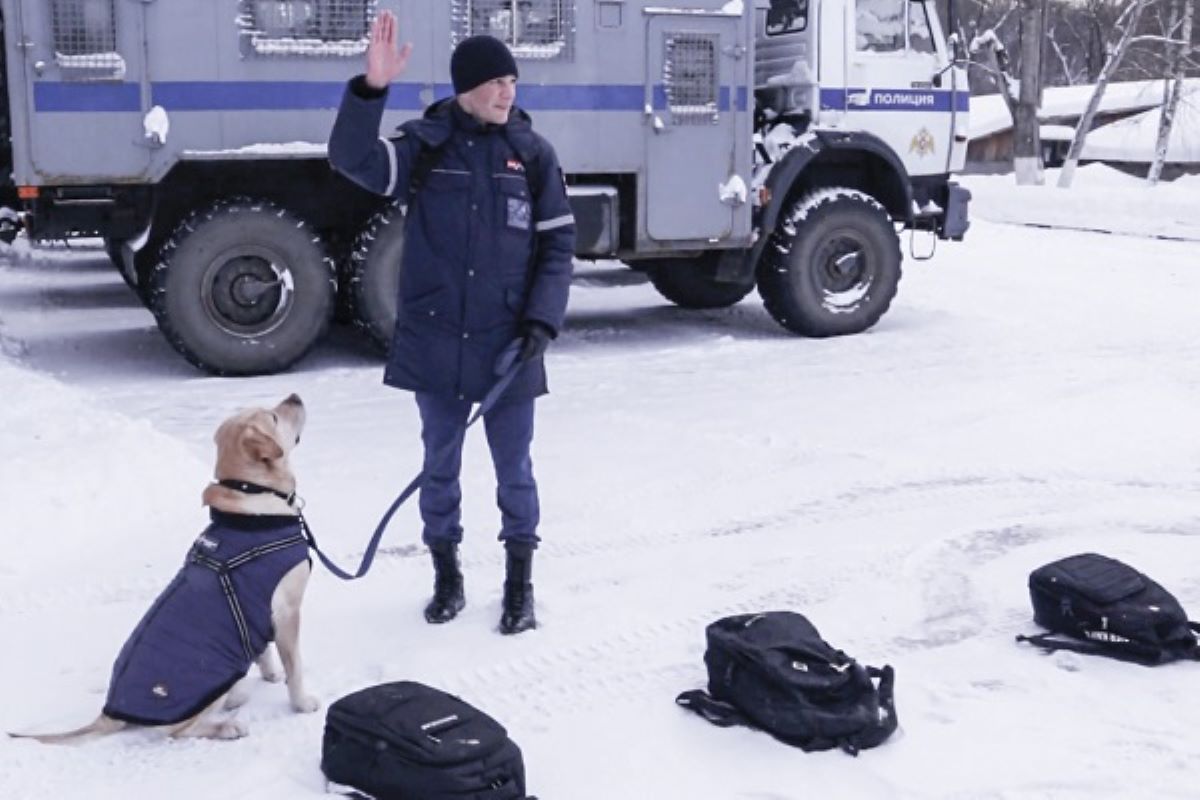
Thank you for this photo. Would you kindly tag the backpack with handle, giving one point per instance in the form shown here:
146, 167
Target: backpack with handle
774, 672
1100, 606
408, 741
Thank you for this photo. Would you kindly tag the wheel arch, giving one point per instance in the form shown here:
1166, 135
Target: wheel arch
853, 159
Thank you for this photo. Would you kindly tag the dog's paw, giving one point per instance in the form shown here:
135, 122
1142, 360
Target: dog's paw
236, 698
305, 704
272, 674
231, 729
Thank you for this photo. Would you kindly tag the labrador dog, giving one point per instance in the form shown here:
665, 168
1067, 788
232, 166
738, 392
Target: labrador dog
240, 588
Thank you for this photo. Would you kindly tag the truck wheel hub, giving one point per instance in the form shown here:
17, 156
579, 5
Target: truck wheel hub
246, 293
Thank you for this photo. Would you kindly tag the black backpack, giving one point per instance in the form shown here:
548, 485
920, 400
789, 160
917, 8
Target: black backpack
428, 157
407, 741
1097, 605
774, 672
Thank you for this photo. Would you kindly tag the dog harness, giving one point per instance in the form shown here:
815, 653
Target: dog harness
203, 632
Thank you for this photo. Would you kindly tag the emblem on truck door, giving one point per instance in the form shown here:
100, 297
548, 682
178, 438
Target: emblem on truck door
922, 143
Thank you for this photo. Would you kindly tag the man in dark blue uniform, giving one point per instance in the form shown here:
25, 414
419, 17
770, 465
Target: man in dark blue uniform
489, 239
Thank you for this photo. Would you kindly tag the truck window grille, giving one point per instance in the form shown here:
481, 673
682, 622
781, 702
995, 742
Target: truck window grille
85, 39
690, 77
306, 27
533, 29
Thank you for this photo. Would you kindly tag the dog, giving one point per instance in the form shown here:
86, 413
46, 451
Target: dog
240, 588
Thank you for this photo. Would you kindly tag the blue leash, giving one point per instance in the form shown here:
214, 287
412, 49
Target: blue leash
509, 365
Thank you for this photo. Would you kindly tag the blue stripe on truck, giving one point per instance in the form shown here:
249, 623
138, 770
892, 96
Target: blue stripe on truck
863, 99
66, 96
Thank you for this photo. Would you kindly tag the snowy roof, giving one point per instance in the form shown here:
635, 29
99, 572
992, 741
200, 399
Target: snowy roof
1134, 138
1056, 133
989, 114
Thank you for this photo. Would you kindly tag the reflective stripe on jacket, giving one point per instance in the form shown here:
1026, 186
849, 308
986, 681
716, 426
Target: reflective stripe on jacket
482, 252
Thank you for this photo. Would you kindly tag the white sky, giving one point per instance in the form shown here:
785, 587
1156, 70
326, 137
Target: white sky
1031, 394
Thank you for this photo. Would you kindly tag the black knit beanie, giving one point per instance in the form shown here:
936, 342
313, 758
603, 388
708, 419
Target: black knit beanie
479, 59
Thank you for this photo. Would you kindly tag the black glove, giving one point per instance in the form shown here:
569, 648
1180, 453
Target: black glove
535, 338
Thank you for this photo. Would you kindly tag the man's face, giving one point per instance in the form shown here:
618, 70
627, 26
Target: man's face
491, 100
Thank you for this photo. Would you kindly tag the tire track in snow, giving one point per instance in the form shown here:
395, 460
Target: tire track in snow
654, 660
1031, 494
660, 658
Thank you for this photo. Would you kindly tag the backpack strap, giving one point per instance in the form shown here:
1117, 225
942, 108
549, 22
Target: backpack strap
431, 153
529, 154
427, 158
888, 721
721, 714
1138, 654
724, 715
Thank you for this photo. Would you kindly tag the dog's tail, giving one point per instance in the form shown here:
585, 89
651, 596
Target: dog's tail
101, 726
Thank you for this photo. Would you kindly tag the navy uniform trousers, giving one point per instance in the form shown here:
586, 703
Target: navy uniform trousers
509, 430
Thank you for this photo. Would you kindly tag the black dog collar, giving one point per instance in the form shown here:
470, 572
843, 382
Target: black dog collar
246, 487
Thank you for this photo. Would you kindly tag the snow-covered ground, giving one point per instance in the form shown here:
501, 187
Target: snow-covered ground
1031, 394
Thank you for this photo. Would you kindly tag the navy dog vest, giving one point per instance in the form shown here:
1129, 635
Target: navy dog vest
207, 627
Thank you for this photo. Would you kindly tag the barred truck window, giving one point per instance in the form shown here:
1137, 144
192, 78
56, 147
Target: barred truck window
880, 25
690, 78
787, 16
330, 28
533, 29
85, 39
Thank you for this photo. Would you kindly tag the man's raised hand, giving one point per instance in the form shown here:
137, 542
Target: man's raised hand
385, 61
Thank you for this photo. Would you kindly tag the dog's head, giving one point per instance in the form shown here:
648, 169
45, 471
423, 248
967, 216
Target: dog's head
253, 446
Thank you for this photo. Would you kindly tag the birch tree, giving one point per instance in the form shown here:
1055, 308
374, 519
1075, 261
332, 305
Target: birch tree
1127, 25
1182, 53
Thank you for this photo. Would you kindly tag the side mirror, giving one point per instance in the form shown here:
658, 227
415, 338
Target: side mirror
958, 55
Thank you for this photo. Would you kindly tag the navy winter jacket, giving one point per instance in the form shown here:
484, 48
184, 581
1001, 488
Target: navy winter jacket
483, 250
190, 647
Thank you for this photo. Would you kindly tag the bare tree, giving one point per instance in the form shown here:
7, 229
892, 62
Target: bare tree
1127, 25
1027, 145
1060, 53
988, 45
1166, 122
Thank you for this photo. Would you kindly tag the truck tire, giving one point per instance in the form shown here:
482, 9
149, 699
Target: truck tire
243, 287
375, 276
112, 248
832, 266
690, 282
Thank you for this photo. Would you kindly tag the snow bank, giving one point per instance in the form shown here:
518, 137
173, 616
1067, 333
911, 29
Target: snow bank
1102, 198
87, 486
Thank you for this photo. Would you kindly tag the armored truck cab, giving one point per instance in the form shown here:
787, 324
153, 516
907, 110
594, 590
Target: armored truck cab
718, 145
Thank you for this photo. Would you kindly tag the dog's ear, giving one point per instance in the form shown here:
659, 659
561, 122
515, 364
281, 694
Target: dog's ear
259, 441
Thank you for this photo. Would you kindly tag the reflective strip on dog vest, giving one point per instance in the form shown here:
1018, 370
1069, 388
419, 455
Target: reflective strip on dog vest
204, 631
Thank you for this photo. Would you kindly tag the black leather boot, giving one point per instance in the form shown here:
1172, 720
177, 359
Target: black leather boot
518, 592
448, 597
